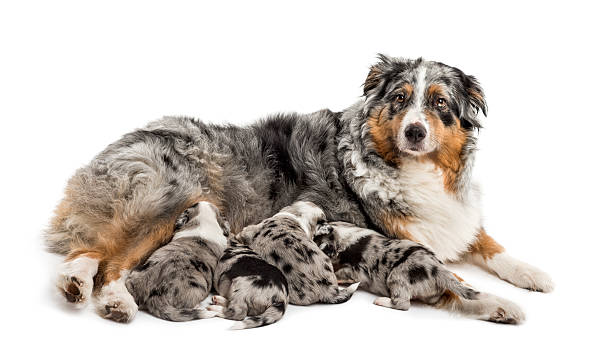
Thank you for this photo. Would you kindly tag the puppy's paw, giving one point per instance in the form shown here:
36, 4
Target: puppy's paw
383, 301
75, 280
216, 310
219, 300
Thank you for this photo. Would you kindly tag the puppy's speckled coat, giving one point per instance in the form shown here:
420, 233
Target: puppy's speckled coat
248, 285
285, 240
177, 277
399, 270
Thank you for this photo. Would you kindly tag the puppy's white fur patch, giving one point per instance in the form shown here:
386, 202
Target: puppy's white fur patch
79, 272
208, 227
308, 213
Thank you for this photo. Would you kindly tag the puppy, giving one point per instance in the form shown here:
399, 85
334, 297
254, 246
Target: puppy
177, 277
402, 270
285, 240
248, 286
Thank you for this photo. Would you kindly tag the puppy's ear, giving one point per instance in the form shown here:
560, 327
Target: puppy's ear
474, 102
376, 75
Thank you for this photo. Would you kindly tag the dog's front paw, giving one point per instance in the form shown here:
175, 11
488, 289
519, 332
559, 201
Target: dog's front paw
521, 274
532, 278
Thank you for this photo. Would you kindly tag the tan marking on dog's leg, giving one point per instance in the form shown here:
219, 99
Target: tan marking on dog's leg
489, 255
113, 299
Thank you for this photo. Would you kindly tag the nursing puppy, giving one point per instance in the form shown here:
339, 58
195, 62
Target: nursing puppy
176, 278
248, 286
285, 240
401, 271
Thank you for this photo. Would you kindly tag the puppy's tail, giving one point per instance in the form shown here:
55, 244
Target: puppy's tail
342, 295
448, 281
272, 314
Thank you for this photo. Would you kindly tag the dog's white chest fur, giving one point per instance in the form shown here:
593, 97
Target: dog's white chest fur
443, 222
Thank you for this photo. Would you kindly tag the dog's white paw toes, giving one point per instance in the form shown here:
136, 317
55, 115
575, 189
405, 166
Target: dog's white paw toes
118, 311
501, 311
75, 288
531, 278
114, 302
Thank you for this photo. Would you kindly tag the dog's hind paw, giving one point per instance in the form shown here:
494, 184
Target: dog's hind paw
75, 280
114, 302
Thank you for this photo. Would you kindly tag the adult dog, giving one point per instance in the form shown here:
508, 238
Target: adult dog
399, 161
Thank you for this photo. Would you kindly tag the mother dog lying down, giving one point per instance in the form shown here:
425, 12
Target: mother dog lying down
398, 161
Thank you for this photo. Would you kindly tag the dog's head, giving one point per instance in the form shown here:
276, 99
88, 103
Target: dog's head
416, 107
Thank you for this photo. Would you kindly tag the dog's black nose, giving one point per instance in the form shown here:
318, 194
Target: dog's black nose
415, 133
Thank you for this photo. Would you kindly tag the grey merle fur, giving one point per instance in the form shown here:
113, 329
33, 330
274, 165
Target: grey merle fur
173, 282
249, 286
285, 240
400, 270
151, 175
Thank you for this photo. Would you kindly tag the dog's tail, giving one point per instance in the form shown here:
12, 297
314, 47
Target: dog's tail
272, 314
448, 281
341, 295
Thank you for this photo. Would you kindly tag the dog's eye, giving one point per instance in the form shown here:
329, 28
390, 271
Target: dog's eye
400, 98
441, 103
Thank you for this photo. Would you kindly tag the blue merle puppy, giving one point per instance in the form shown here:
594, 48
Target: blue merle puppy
177, 278
402, 270
248, 286
285, 240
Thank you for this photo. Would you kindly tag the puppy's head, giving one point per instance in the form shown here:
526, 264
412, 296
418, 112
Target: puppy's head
415, 107
327, 240
203, 214
308, 214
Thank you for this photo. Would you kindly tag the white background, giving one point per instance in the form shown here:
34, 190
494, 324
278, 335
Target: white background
74, 76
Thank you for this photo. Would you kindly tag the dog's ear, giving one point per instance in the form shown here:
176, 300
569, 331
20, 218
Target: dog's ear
376, 75
474, 102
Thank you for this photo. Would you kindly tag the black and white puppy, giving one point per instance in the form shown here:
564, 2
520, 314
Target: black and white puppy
248, 286
399, 271
177, 278
285, 240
